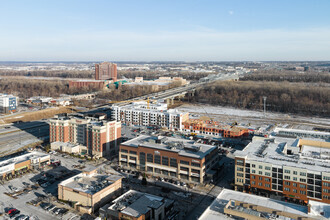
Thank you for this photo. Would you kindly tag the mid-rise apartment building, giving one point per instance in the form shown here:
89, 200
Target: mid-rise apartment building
169, 157
297, 169
214, 128
144, 114
8, 103
106, 71
99, 135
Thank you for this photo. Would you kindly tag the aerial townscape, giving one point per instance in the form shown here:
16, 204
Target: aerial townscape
160, 111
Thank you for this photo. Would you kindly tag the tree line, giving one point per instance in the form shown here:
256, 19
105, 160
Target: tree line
290, 76
37, 87
286, 97
50, 73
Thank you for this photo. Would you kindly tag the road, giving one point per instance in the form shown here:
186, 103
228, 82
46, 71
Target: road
19, 135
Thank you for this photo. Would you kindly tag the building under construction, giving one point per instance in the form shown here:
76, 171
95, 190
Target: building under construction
214, 128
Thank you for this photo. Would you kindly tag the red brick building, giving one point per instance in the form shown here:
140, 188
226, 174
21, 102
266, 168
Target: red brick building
99, 84
98, 134
106, 71
213, 128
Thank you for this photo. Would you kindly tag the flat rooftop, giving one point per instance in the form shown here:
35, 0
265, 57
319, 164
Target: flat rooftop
302, 133
134, 203
8, 163
216, 210
272, 150
90, 183
183, 147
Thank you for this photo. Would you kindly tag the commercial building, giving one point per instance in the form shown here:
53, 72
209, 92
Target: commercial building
106, 71
136, 205
100, 135
231, 204
90, 190
213, 128
21, 162
83, 83
170, 157
297, 133
8, 103
153, 114
68, 147
297, 169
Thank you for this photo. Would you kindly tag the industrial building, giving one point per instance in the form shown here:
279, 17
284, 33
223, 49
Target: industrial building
106, 71
170, 157
18, 163
213, 128
297, 133
8, 103
89, 190
231, 204
297, 169
136, 205
143, 113
100, 135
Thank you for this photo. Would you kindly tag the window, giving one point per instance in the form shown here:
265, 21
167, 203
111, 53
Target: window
287, 183
326, 178
173, 162
286, 189
184, 162
260, 178
260, 172
287, 177
294, 184
326, 184
124, 151
267, 179
302, 186
239, 162
240, 174
195, 164
165, 160
295, 173
253, 171
303, 180
198, 171
157, 159
260, 184
267, 174
253, 165
240, 169
132, 158
267, 168
302, 174
150, 158
132, 152
302, 192
294, 191
184, 169
124, 156
260, 167
286, 171
253, 183
267, 185
294, 178
253, 177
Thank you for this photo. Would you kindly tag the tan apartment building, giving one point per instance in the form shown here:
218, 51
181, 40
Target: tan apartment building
297, 169
90, 190
169, 157
97, 133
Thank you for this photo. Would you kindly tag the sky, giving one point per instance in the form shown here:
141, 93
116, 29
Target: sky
164, 30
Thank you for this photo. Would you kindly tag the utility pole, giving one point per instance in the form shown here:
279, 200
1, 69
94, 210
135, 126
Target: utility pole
265, 106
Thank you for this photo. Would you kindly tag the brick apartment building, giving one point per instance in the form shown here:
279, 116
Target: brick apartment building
106, 71
297, 169
98, 134
170, 157
99, 84
214, 128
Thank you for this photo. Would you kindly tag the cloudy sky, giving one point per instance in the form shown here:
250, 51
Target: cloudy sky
164, 30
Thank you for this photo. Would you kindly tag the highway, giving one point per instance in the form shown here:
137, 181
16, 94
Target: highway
16, 136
